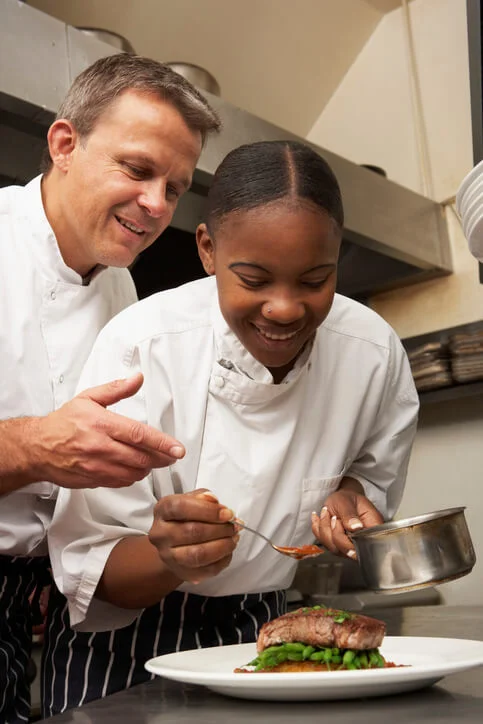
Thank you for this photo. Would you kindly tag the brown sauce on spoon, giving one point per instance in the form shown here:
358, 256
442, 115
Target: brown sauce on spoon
301, 551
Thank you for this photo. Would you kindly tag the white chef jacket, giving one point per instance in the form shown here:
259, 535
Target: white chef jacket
272, 453
48, 323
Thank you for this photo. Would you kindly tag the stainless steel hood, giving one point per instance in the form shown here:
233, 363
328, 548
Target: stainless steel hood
393, 236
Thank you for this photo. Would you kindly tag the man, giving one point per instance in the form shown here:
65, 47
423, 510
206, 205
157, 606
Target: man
122, 151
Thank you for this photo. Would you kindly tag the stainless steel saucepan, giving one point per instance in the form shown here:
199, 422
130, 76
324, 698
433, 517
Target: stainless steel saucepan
425, 550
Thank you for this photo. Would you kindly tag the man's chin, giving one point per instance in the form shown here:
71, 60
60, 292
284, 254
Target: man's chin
120, 258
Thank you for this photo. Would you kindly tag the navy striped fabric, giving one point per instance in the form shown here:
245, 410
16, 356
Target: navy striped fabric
18, 579
80, 667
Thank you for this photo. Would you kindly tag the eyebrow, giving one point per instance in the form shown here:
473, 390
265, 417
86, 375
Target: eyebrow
319, 267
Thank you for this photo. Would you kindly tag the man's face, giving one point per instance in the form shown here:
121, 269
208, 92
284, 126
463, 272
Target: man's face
120, 185
276, 270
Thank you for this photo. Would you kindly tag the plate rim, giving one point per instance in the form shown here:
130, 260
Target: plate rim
294, 680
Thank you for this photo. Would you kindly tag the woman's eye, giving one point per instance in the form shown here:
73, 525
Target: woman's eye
315, 285
254, 283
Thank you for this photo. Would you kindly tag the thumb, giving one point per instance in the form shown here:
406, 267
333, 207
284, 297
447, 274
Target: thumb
113, 391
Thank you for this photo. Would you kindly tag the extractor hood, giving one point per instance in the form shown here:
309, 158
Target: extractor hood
393, 236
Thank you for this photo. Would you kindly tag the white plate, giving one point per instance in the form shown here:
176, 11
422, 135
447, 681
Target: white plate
429, 659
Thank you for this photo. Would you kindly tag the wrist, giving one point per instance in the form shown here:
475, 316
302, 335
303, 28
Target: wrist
352, 485
18, 467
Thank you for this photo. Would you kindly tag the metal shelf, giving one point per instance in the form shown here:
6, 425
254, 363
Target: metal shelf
457, 390
454, 392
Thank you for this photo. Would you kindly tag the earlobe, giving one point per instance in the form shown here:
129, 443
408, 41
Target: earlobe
62, 139
206, 249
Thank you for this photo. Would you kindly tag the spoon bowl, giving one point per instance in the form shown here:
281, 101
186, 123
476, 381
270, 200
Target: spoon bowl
299, 553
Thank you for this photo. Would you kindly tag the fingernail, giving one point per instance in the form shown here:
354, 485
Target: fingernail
324, 511
225, 514
176, 451
236, 538
314, 517
352, 553
333, 522
209, 496
355, 524
237, 527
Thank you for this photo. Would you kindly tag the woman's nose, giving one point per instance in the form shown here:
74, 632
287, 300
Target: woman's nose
283, 310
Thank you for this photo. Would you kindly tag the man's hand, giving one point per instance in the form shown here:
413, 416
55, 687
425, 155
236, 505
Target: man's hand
346, 510
83, 445
192, 535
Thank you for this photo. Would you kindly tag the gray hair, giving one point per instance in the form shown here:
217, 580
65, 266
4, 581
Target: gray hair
99, 85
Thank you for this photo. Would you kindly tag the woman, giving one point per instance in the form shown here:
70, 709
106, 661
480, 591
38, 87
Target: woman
297, 410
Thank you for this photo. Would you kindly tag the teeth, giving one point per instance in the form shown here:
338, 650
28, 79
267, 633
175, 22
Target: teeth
277, 337
131, 227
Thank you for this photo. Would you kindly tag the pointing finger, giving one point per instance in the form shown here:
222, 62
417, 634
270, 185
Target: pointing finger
114, 391
144, 437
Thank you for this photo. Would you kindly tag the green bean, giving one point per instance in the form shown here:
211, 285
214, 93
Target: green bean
318, 656
308, 650
363, 660
348, 657
373, 658
327, 655
294, 646
295, 656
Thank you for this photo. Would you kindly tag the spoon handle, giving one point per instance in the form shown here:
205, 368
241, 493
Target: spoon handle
241, 524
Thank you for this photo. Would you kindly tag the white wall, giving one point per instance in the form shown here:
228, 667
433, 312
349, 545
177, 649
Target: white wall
370, 120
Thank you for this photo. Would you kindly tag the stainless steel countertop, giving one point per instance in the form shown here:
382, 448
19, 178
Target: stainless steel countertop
458, 697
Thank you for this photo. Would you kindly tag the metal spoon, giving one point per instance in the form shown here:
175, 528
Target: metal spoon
307, 551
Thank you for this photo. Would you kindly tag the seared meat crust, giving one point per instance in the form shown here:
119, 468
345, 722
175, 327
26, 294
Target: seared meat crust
318, 628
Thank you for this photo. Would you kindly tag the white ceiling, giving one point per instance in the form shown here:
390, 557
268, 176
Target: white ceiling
279, 59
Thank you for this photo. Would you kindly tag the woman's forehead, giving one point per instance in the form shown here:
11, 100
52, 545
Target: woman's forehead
305, 235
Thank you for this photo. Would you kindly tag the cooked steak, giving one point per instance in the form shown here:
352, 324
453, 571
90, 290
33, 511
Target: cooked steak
321, 627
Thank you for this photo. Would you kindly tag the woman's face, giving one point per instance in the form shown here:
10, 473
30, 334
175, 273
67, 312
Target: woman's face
276, 270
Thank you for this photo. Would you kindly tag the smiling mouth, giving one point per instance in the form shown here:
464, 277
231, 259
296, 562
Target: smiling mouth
131, 227
277, 337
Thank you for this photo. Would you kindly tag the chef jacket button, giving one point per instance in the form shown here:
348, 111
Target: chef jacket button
219, 381
52, 295
61, 379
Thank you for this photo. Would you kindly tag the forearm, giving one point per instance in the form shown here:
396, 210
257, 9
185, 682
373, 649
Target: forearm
17, 466
134, 576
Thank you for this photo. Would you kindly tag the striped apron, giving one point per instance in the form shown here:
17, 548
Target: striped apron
19, 578
79, 667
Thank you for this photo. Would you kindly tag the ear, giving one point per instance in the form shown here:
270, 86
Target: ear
206, 249
62, 139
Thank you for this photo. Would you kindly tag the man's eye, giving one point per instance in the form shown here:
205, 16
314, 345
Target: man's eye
172, 192
135, 170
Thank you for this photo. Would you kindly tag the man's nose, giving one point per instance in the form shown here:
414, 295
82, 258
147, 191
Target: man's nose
153, 199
